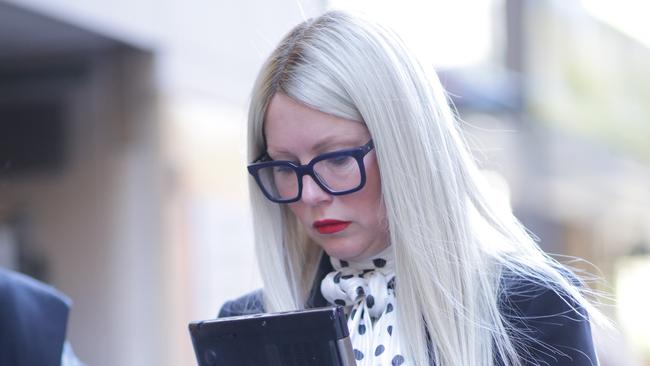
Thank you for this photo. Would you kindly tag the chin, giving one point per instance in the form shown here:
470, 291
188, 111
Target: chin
341, 249
342, 255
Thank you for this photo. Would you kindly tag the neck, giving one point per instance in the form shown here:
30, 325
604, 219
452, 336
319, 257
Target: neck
383, 260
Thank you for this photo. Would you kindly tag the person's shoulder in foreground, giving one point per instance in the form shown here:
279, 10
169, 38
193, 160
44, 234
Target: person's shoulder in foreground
33, 321
547, 325
251, 303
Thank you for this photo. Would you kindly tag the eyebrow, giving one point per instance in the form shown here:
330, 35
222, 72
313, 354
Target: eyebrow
324, 144
334, 140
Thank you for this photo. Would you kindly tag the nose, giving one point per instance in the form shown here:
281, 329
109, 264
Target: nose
312, 193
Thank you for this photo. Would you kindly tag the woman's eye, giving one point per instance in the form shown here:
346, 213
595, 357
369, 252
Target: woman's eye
282, 170
339, 160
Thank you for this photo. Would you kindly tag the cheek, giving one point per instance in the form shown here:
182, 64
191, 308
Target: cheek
298, 210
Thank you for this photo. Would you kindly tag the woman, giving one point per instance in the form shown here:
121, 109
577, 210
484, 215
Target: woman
365, 195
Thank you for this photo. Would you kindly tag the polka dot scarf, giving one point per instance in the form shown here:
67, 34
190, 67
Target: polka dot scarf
367, 289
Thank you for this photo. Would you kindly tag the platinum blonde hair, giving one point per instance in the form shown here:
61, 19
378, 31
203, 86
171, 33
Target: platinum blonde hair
453, 242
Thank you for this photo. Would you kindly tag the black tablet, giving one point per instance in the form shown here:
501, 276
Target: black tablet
314, 337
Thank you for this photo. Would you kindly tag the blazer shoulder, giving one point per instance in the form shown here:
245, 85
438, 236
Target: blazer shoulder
248, 304
547, 324
22, 287
33, 321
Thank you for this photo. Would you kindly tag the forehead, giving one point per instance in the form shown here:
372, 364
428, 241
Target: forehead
290, 125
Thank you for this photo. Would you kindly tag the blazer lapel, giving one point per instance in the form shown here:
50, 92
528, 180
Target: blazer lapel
316, 299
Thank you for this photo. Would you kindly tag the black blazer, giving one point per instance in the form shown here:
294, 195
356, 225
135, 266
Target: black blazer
557, 334
33, 319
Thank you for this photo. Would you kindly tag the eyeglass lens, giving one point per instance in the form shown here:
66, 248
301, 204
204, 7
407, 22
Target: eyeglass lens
338, 174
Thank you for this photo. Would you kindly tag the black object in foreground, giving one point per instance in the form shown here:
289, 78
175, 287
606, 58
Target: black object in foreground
314, 337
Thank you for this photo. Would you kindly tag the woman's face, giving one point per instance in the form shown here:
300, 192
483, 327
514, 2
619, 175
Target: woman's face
298, 133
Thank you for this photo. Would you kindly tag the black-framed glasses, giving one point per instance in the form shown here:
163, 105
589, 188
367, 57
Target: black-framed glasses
337, 173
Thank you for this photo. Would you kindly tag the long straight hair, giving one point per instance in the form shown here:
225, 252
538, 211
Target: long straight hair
453, 241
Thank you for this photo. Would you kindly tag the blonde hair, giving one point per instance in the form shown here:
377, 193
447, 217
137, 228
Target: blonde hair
452, 242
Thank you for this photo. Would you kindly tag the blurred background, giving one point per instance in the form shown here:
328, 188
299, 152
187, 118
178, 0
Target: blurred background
122, 148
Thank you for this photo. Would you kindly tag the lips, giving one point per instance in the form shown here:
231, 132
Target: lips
329, 226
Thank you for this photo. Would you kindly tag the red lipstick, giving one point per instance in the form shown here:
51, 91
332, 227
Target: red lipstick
329, 226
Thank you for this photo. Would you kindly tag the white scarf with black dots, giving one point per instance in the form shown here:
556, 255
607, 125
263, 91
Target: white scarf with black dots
368, 286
